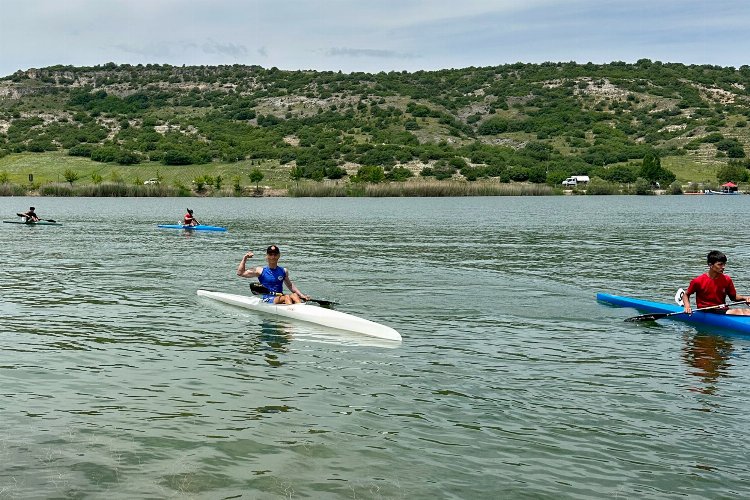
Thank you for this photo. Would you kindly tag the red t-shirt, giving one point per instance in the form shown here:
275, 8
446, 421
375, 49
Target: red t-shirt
711, 292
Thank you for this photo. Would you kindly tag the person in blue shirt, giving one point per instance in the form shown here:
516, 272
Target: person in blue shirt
273, 277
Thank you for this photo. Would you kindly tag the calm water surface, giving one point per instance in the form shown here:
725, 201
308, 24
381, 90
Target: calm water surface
511, 380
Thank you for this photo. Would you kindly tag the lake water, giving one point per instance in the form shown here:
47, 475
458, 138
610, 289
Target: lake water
511, 380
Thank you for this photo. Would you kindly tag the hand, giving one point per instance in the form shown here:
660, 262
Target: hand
249, 255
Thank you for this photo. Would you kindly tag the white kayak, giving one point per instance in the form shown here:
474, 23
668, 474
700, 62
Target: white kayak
309, 313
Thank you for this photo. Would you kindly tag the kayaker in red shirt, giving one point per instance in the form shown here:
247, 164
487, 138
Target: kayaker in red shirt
713, 288
189, 220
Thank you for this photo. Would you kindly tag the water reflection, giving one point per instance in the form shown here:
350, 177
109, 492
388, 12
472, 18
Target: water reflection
276, 338
708, 355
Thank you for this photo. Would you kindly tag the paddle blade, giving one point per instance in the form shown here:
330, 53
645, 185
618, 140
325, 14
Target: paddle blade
645, 317
324, 303
258, 289
679, 296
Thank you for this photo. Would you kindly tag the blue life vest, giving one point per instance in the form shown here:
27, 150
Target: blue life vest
273, 279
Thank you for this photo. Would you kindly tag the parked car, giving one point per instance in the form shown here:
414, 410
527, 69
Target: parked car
151, 181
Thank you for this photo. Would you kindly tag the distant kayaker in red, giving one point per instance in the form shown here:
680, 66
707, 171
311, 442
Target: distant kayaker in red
189, 220
713, 288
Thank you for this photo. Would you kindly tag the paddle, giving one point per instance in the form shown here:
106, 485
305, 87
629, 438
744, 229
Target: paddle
47, 220
655, 316
259, 289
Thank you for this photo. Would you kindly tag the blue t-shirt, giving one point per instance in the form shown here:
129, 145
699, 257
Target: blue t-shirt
273, 279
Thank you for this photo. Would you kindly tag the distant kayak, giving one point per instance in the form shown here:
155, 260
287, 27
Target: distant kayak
40, 223
725, 321
188, 227
308, 313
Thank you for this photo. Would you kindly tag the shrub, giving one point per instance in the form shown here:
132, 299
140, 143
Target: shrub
642, 186
599, 186
674, 188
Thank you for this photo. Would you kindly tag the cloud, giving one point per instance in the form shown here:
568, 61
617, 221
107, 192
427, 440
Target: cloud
228, 49
153, 49
376, 53
370, 36
177, 48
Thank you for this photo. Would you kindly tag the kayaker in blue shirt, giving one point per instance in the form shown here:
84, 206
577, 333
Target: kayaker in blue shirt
273, 277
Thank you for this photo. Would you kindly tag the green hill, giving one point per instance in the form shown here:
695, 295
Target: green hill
533, 123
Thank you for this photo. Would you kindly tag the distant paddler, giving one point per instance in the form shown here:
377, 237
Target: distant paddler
29, 215
189, 220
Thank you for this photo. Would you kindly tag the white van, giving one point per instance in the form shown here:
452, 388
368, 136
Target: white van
575, 180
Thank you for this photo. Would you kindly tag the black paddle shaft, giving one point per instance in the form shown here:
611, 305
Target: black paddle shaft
259, 289
655, 316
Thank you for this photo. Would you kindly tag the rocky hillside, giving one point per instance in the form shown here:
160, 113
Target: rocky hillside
520, 122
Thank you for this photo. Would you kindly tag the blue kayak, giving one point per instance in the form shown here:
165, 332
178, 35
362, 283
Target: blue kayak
725, 321
188, 227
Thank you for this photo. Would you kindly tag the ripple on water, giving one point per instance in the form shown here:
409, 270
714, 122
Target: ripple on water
510, 380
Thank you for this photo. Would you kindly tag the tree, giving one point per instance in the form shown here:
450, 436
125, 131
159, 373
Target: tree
174, 157
71, 176
732, 173
370, 173
296, 173
256, 176
652, 171
651, 168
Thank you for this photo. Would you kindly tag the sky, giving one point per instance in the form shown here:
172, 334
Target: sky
370, 35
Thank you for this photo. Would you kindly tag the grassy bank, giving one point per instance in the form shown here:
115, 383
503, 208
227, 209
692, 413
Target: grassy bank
47, 171
50, 167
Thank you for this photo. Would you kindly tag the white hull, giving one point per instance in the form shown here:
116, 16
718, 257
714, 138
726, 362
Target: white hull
308, 313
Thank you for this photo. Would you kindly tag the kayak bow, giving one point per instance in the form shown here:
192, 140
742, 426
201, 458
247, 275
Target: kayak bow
308, 313
188, 227
725, 321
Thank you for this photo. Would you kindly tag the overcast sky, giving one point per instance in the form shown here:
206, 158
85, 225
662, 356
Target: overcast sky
370, 35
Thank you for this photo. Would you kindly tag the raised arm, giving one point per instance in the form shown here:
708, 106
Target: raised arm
242, 270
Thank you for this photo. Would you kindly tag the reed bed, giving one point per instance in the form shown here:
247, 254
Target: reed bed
7, 189
416, 188
421, 189
108, 189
